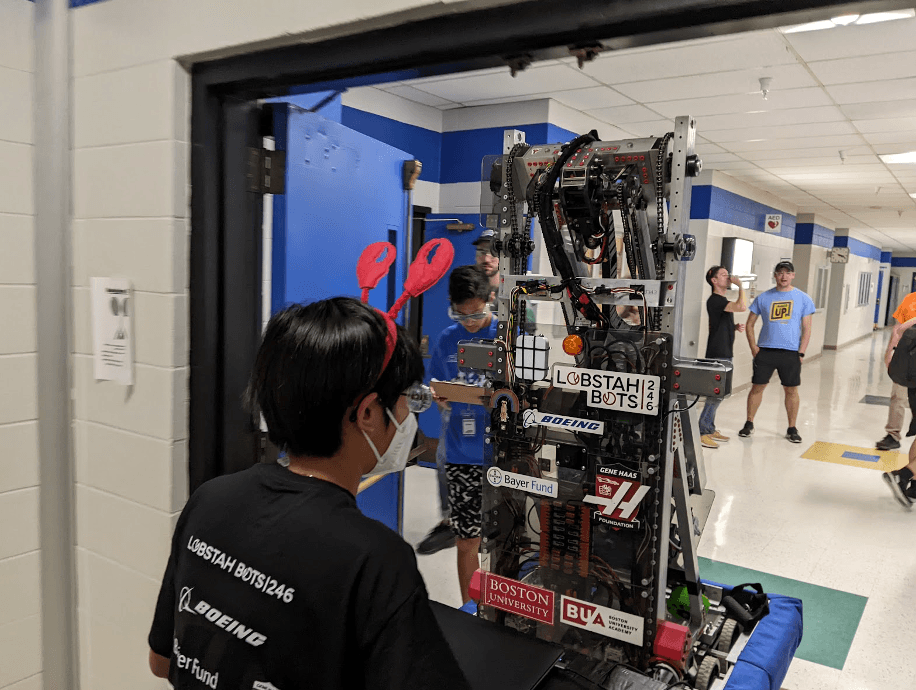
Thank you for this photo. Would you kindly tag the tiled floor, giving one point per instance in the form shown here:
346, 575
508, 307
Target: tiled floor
822, 523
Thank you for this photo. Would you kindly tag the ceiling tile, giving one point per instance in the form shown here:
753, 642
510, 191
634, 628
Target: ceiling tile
897, 146
591, 98
773, 133
501, 85
771, 118
417, 96
759, 49
873, 91
625, 114
719, 84
904, 125
847, 41
839, 141
780, 99
890, 138
864, 68
655, 128
770, 156
880, 109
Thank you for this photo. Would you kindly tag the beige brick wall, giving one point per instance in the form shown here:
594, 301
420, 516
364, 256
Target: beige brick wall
20, 626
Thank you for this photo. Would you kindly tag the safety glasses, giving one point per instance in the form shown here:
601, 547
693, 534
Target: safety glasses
419, 397
463, 318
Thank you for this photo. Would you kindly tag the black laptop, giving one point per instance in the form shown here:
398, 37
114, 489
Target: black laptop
492, 656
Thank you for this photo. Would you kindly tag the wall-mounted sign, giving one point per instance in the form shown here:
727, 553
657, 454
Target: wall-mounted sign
112, 335
773, 223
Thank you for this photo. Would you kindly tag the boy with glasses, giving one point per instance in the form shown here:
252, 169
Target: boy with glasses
468, 290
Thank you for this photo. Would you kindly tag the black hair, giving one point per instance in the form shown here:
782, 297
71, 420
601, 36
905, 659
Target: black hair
318, 360
710, 274
468, 282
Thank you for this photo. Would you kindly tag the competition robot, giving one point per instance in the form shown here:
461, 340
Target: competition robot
594, 501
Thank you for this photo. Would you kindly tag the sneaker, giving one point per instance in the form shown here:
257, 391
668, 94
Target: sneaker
911, 490
746, 430
439, 537
707, 441
719, 438
897, 488
887, 443
792, 435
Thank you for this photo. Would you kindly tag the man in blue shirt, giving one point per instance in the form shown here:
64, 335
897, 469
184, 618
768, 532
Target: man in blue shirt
468, 292
786, 314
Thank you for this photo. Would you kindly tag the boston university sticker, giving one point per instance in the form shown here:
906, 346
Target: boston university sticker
516, 597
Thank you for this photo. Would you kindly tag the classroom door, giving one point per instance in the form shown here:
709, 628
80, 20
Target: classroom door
344, 190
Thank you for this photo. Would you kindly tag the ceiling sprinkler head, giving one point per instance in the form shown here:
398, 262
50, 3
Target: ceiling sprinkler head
842, 157
765, 86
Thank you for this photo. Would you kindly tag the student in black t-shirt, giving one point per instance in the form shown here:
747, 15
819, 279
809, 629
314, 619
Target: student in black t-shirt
720, 342
276, 580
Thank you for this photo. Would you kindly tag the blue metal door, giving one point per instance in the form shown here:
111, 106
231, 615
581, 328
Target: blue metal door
878, 299
344, 190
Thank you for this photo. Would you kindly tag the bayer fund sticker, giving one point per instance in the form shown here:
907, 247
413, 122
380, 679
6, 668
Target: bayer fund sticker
610, 389
522, 482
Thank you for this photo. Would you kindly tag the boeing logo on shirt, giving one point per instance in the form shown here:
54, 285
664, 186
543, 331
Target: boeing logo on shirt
219, 619
781, 311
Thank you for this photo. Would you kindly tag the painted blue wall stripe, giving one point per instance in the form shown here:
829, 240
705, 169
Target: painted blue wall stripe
464, 150
718, 204
869, 251
903, 261
886, 257
812, 233
423, 144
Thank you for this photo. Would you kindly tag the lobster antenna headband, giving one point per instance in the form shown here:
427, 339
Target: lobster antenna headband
424, 272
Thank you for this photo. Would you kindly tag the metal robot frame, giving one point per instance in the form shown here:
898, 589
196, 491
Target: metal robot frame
594, 501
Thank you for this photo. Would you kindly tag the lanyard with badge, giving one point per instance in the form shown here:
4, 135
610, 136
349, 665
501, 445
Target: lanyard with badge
468, 421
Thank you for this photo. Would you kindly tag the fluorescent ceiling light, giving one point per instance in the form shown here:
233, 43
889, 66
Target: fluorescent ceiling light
850, 19
913, 195
892, 158
876, 17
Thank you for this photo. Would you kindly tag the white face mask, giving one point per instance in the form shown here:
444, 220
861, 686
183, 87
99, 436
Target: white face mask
395, 458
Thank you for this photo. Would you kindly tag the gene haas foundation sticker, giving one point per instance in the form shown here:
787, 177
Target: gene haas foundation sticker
611, 390
516, 597
602, 620
618, 496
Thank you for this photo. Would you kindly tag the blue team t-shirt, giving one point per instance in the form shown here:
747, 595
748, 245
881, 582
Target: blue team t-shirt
464, 437
781, 314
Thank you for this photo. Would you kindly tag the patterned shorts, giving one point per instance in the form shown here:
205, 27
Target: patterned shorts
464, 499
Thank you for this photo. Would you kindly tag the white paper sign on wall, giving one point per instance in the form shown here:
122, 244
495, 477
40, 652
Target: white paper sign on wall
773, 223
112, 334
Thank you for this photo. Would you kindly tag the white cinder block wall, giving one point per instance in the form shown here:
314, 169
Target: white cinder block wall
20, 627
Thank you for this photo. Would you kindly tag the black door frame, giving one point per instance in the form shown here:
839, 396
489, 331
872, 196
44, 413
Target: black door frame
225, 279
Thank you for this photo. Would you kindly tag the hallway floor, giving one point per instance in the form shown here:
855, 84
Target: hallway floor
825, 524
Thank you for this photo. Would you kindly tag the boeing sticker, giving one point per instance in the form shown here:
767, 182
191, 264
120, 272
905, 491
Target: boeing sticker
533, 417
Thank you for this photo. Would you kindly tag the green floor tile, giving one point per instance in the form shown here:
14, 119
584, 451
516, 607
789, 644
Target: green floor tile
830, 616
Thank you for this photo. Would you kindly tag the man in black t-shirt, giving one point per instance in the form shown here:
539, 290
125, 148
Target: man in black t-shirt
720, 342
276, 580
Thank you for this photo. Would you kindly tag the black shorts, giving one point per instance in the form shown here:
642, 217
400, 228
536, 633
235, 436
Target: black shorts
465, 487
786, 362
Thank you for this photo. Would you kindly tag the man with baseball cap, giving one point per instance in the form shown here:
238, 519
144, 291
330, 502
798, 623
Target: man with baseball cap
786, 315
486, 260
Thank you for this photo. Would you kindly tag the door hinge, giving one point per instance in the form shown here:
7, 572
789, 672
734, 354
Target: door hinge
266, 171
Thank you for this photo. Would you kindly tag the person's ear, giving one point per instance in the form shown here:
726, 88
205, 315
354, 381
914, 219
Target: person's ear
369, 414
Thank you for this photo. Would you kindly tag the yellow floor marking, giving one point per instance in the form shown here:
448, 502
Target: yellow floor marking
867, 458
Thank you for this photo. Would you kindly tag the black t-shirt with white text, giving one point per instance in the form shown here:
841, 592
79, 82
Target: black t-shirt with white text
721, 328
278, 582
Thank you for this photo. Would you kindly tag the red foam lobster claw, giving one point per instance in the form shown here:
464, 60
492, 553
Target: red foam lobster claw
373, 265
423, 272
